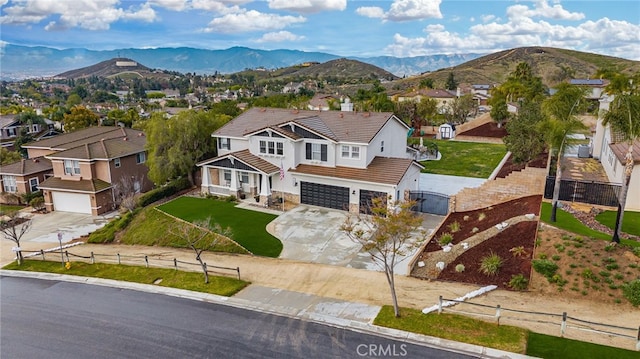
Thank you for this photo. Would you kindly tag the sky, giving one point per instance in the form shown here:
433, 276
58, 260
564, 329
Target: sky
400, 28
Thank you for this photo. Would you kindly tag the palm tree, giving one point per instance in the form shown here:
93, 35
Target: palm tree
624, 118
561, 109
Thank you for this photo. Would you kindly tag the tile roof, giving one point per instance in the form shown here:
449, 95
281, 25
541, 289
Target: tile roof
105, 148
27, 167
6, 120
86, 186
248, 158
81, 137
358, 127
620, 150
381, 170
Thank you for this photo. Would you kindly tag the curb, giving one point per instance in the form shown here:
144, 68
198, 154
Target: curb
294, 313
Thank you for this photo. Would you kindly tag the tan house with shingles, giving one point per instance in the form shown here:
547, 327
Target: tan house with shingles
23, 177
87, 164
443, 97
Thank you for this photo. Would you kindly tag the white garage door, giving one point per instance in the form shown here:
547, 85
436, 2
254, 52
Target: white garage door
71, 202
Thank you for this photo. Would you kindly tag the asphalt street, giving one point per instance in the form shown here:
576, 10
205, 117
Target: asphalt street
55, 319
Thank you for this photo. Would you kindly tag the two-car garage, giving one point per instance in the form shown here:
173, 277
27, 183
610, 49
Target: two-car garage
322, 195
72, 202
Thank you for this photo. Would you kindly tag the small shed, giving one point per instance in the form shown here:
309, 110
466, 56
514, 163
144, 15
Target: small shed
447, 131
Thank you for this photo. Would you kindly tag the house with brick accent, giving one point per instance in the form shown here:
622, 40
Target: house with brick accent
88, 165
331, 159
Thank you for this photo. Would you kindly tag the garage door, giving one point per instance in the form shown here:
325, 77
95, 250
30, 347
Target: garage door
366, 199
71, 202
324, 195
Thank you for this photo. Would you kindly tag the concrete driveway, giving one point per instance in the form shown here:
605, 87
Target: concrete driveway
312, 234
45, 228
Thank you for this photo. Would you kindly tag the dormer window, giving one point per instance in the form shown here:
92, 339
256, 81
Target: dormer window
71, 167
350, 152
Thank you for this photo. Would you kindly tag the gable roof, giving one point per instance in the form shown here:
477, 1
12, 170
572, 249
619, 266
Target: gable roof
7, 120
81, 137
248, 158
27, 166
105, 149
381, 170
359, 127
620, 150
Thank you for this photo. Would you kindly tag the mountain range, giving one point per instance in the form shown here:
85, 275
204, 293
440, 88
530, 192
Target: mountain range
19, 62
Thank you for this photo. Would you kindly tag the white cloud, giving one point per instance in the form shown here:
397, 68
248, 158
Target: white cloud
618, 38
406, 10
308, 6
175, 5
86, 14
279, 37
251, 21
222, 7
487, 18
371, 11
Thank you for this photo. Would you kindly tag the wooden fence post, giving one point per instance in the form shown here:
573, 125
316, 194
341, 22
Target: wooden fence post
498, 314
146, 261
93, 259
42, 254
563, 326
66, 253
440, 305
638, 341
175, 263
238, 270
118, 255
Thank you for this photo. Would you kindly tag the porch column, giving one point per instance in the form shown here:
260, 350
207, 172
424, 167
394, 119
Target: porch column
205, 178
234, 181
264, 186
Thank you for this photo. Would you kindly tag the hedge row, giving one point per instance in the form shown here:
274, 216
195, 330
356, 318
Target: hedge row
159, 193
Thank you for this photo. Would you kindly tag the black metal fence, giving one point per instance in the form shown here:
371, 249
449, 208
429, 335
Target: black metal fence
430, 202
598, 193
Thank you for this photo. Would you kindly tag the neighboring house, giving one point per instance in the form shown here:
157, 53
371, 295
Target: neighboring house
87, 166
443, 97
611, 151
10, 129
321, 102
595, 87
23, 177
330, 158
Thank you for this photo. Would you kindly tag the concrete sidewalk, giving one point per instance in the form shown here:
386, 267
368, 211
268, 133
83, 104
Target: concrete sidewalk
328, 311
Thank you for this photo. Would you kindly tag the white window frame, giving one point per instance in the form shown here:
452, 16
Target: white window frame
244, 177
225, 143
316, 152
9, 183
116, 162
71, 167
355, 152
141, 158
345, 151
32, 187
271, 147
226, 175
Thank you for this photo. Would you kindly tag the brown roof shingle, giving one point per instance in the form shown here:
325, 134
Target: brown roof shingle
620, 150
87, 186
382, 169
359, 127
26, 167
81, 137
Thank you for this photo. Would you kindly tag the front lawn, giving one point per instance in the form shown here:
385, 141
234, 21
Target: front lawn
248, 227
550, 347
163, 277
466, 159
630, 221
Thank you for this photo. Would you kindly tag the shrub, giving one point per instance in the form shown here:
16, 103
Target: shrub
107, 234
465, 218
612, 266
518, 251
518, 282
474, 230
545, 267
37, 203
460, 268
490, 265
445, 239
555, 257
454, 227
165, 191
481, 216
28, 197
588, 274
636, 251
631, 291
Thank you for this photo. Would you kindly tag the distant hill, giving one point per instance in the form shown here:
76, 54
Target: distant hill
553, 65
113, 67
22, 61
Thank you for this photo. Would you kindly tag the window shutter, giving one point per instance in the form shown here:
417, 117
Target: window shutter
229, 144
323, 153
308, 152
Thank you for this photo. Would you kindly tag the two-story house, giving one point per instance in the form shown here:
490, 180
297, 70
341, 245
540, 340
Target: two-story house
87, 166
330, 159
23, 177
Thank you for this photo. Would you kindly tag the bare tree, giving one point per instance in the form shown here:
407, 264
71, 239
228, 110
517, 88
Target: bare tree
386, 235
126, 190
14, 228
200, 236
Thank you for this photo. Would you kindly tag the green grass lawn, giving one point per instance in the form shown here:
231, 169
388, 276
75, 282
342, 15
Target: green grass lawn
467, 159
455, 327
193, 281
8, 208
569, 223
550, 347
630, 221
248, 227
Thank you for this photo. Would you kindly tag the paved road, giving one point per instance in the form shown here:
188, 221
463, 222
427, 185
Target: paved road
55, 319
